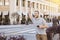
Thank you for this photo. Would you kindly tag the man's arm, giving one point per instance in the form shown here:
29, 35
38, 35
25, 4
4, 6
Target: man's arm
44, 25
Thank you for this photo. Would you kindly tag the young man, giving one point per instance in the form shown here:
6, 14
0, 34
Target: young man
51, 30
40, 25
55, 21
54, 29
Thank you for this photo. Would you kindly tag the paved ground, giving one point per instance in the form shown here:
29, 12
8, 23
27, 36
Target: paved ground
28, 31
56, 37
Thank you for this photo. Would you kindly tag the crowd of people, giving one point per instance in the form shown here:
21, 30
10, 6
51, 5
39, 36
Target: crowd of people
43, 32
12, 37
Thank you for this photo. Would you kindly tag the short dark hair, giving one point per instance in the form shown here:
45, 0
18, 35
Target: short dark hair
37, 11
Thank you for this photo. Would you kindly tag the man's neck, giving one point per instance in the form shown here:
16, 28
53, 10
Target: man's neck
36, 17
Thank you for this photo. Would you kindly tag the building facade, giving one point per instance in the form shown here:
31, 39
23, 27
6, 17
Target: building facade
27, 6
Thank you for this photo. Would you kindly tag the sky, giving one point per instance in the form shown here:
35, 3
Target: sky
54, 1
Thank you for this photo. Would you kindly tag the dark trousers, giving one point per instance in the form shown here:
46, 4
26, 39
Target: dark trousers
51, 30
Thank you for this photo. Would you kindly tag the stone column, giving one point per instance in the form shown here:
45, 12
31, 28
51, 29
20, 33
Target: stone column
20, 7
12, 6
20, 10
26, 8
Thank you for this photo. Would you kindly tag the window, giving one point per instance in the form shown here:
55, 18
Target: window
59, 8
17, 2
1, 2
23, 3
28, 3
40, 6
33, 4
43, 7
37, 5
4, 2
49, 8
46, 8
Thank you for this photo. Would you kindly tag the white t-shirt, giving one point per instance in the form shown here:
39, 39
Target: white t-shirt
39, 21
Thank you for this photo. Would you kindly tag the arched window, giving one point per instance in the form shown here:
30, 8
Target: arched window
43, 7
40, 6
37, 5
33, 4
46, 7
23, 3
28, 3
6, 2
1, 3
17, 2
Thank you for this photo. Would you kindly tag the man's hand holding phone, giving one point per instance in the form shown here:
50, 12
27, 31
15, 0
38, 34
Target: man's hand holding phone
41, 26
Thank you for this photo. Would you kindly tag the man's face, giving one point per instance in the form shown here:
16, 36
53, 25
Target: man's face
36, 14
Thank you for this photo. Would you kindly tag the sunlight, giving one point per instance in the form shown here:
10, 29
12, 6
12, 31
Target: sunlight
55, 1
